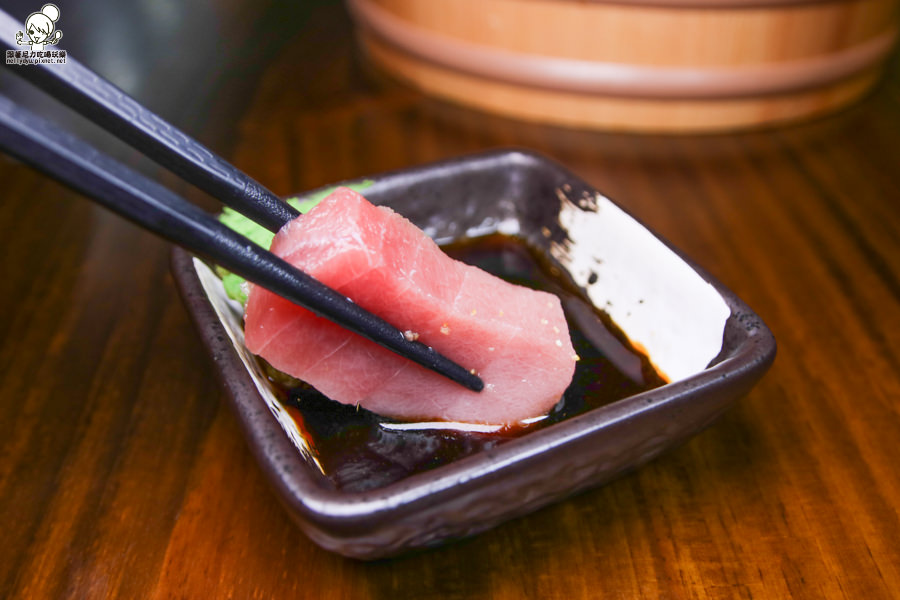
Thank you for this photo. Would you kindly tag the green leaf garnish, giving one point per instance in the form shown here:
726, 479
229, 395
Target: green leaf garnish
234, 285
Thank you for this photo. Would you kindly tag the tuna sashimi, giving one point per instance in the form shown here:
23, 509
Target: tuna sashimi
516, 339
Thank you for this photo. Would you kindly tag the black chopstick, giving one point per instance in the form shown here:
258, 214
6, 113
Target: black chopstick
106, 105
75, 163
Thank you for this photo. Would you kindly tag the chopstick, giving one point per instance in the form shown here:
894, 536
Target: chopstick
50, 149
109, 107
104, 104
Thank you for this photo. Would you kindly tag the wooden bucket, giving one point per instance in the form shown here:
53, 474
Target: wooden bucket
639, 65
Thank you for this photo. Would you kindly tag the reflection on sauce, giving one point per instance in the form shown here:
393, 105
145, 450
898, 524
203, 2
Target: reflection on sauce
359, 450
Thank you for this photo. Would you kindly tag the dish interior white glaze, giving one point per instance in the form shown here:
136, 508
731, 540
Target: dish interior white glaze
663, 305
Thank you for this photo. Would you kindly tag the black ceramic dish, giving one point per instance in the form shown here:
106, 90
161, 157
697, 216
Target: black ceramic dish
710, 344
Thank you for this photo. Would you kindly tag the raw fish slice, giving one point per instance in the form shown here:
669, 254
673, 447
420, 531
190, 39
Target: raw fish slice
516, 339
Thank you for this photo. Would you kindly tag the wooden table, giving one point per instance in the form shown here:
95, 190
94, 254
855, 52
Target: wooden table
124, 475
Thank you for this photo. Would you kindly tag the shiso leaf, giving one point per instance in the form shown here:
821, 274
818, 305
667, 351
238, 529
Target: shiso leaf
234, 284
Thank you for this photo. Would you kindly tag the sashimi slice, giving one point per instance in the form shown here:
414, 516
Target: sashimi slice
514, 338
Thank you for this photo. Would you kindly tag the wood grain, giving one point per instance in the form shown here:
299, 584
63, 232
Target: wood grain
122, 474
641, 65
648, 33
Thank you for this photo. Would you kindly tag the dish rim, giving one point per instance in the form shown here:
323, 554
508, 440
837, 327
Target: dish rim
329, 512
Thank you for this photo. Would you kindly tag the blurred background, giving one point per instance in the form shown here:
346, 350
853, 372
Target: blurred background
124, 475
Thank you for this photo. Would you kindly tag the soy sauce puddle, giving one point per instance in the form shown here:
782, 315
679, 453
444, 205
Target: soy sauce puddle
360, 450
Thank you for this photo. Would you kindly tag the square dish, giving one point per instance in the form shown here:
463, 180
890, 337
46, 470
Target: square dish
710, 346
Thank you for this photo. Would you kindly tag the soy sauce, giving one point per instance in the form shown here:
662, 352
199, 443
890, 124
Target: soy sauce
360, 450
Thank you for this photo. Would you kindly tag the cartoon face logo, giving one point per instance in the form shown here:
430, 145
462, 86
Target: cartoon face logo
41, 29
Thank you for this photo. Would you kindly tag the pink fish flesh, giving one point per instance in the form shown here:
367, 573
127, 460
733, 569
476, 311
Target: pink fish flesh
514, 338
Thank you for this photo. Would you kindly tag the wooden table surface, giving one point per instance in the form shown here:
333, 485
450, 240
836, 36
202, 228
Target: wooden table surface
124, 475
